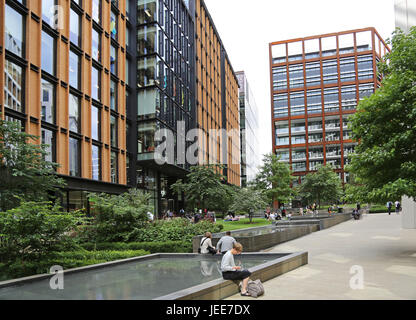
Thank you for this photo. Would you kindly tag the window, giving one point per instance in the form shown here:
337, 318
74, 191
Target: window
96, 84
147, 71
280, 108
47, 101
113, 60
147, 40
48, 138
365, 67
95, 123
299, 166
279, 78
314, 165
96, 162
113, 95
74, 114
48, 53
298, 139
331, 100
347, 69
48, 11
283, 154
332, 124
114, 167
113, 25
316, 137
313, 74
14, 31
332, 136
282, 141
74, 31
298, 127
298, 154
316, 153
146, 137
13, 86
314, 125
113, 131
297, 103
349, 97
96, 45
74, 70
96, 11
330, 71
333, 151
146, 11
366, 90
296, 76
74, 157
314, 101
282, 127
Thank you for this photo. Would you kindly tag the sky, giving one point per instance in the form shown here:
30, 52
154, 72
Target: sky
246, 27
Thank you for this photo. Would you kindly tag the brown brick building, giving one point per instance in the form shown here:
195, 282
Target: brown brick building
316, 84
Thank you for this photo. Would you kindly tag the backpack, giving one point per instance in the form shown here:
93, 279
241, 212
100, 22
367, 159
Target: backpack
255, 288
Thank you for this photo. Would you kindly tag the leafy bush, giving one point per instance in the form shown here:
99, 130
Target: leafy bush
152, 247
34, 229
117, 217
68, 260
175, 230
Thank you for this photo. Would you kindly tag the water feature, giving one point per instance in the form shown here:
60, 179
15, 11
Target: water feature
142, 279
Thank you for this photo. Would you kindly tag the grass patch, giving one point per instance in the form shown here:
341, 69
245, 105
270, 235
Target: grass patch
243, 224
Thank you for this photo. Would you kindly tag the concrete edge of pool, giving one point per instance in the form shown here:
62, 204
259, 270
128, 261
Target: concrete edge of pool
219, 289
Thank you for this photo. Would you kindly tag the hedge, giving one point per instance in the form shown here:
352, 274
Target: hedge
152, 247
68, 260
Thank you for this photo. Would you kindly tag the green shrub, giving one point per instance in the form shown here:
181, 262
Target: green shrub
152, 247
117, 216
34, 229
175, 230
68, 260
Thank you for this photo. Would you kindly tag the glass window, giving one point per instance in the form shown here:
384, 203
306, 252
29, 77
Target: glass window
74, 157
316, 153
113, 25
279, 78
48, 11
330, 71
366, 90
114, 167
48, 138
48, 53
113, 59
96, 11
147, 40
313, 74
146, 137
74, 114
147, 71
365, 67
113, 95
314, 101
298, 154
331, 99
13, 86
296, 76
47, 97
95, 123
96, 84
146, 11
14, 31
280, 108
297, 103
74, 68
96, 45
113, 131
298, 139
349, 97
74, 32
96, 162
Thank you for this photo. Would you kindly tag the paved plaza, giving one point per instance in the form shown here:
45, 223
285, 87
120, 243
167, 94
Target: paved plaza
377, 244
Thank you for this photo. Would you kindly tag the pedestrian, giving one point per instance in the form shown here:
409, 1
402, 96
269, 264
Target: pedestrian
150, 216
197, 217
206, 244
232, 272
389, 205
397, 206
225, 243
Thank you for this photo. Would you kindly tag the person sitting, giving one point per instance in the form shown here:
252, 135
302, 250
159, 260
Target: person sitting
232, 272
228, 218
206, 244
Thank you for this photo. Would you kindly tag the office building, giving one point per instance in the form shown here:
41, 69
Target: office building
316, 83
405, 14
249, 126
96, 79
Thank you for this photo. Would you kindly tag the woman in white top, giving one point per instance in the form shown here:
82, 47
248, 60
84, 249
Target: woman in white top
206, 243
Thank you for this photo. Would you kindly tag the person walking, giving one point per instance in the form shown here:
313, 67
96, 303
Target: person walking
397, 206
389, 205
206, 244
232, 272
225, 243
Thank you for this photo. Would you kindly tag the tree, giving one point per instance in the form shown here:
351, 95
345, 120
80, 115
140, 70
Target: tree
323, 185
274, 180
203, 187
24, 172
248, 200
384, 163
